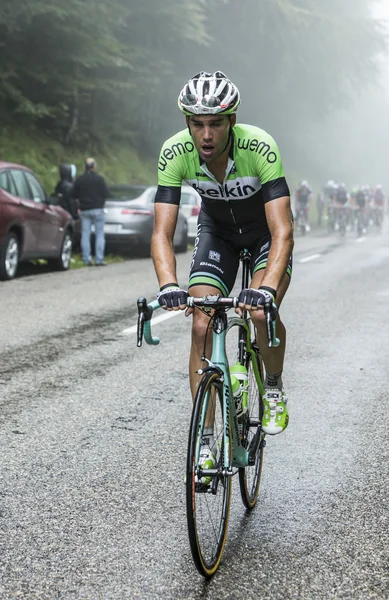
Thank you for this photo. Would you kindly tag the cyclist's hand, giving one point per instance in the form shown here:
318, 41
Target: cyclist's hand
252, 299
172, 297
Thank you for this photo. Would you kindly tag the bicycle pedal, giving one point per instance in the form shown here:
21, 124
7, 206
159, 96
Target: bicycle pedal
203, 488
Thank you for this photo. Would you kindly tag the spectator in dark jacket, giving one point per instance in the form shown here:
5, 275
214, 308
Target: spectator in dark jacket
91, 192
64, 189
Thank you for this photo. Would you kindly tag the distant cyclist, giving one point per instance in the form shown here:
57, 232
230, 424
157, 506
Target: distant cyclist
329, 192
379, 201
341, 195
237, 171
342, 207
361, 203
330, 189
379, 196
303, 197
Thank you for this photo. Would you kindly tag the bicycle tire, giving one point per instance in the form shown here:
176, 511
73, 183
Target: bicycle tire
207, 537
250, 476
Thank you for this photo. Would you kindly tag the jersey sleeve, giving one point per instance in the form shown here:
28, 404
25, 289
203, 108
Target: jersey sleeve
170, 171
170, 176
270, 169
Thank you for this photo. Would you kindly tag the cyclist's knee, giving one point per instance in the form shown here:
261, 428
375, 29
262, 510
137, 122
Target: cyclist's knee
199, 327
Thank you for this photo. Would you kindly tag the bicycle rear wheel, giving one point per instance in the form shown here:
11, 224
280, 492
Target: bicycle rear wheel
250, 476
207, 505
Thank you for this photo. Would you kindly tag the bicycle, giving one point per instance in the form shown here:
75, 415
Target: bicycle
341, 219
238, 441
360, 221
302, 220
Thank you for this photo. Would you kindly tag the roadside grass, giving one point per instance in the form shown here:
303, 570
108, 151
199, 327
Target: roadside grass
32, 147
77, 263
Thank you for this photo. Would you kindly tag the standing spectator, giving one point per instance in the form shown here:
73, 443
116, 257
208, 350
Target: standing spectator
64, 189
91, 192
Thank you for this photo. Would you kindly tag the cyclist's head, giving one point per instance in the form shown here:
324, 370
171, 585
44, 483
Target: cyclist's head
378, 186
304, 184
209, 101
209, 94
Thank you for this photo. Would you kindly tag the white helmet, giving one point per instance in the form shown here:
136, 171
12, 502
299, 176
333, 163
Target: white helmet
209, 94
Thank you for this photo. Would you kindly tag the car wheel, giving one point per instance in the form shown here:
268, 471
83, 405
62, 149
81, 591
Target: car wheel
62, 263
9, 257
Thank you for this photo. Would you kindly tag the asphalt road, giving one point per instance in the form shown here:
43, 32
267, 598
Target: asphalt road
93, 435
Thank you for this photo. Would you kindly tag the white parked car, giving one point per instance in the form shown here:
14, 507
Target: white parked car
190, 207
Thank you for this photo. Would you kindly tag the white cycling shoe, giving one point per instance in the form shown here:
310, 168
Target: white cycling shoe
275, 415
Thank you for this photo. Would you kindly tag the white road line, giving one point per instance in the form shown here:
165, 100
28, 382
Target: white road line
155, 320
359, 240
309, 258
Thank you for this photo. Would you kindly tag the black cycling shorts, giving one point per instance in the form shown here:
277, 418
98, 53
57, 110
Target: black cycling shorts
361, 202
215, 260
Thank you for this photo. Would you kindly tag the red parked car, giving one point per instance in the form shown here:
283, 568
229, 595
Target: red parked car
31, 225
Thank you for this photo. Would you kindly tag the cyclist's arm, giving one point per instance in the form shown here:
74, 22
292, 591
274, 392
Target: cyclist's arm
276, 197
171, 170
279, 219
165, 220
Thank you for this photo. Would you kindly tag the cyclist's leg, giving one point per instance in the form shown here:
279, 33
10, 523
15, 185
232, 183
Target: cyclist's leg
275, 414
273, 358
213, 271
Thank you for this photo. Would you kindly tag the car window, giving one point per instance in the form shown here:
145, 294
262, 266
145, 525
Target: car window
36, 188
125, 193
4, 184
22, 188
188, 199
11, 184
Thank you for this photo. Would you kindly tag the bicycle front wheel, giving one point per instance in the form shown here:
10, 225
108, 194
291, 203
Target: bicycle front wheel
250, 476
208, 499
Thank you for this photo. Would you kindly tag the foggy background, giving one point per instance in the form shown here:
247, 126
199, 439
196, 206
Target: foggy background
311, 72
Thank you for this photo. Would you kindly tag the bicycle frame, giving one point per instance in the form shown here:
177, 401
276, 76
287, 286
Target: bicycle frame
221, 326
219, 361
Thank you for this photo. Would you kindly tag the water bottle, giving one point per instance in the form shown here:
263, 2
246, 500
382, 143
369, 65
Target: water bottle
239, 381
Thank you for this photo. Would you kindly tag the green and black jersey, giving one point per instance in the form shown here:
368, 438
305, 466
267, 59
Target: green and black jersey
254, 176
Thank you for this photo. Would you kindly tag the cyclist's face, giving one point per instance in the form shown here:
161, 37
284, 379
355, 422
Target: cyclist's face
210, 134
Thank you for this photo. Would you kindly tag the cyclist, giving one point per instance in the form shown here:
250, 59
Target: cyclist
342, 198
303, 197
237, 170
379, 201
329, 191
361, 201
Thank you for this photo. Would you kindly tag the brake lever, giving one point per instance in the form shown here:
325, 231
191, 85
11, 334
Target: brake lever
145, 313
271, 312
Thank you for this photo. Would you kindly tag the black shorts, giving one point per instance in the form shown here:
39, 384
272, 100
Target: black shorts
215, 260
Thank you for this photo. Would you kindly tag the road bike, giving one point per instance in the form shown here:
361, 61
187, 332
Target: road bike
341, 219
238, 440
302, 220
360, 221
